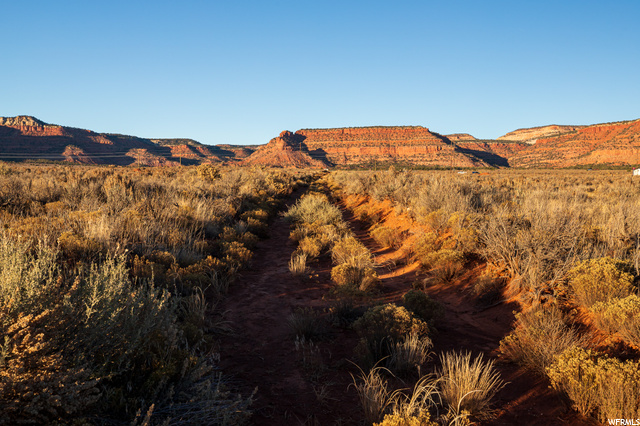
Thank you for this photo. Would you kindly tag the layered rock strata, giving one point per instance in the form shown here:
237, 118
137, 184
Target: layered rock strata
411, 144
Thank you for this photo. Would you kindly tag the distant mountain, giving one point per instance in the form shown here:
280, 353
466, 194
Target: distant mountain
27, 138
381, 144
532, 134
608, 143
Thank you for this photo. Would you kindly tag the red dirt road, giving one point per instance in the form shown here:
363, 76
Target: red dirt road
261, 353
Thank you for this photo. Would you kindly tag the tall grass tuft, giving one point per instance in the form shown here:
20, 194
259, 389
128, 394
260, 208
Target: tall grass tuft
466, 384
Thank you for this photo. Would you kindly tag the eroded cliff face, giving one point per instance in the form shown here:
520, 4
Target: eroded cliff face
531, 135
610, 143
287, 150
25, 137
412, 144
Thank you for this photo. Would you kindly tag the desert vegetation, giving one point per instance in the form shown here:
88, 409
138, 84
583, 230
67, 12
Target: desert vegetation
563, 245
109, 282
123, 291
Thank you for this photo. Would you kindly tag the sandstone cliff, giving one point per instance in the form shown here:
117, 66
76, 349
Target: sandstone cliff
610, 143
287, 150
531, 135
411, 144
457, 137
27, 138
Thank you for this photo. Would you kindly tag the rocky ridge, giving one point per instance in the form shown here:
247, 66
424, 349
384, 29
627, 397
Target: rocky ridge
532, 134
609, 143
27, 138
287, 149
363, 145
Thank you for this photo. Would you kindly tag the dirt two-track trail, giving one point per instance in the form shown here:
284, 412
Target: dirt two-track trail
260, 352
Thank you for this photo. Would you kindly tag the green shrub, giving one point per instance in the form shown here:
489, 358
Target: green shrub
600, 280
422, 306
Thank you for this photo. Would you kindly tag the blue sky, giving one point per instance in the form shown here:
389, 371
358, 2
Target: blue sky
242, 71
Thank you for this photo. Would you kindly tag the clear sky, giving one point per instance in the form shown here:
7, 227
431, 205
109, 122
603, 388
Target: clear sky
242, 71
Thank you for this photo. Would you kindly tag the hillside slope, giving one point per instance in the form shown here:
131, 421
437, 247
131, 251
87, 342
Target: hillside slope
609, 143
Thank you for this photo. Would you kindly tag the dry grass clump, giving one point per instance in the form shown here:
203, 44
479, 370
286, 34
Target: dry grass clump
466, 384
600, 280
298, 264
539, 335
409, 354
598, 385
463, 386
374, 394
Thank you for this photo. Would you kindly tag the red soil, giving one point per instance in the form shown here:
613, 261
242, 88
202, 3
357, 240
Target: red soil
261, 354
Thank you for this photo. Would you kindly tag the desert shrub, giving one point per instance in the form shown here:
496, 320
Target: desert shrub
363, 279
422, 419
311, 357
305, 322
464, 229
425, 245
236, 254
488, 288
298, 264
445, 264
620, 316
409, 354
415, 407
422, 306
314, 208
343, 312
386, 236
349, 250
604, 387
600, 280
311, 246
79, 247
468, 384
539, 335
382, 326
28, 278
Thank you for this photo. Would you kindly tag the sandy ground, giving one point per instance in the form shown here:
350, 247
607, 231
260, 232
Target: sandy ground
260, 352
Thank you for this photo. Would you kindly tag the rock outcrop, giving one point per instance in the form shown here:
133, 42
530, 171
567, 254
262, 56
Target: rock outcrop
457, 137
27, 138
532, 134
287, 150
609, 143
364, 145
